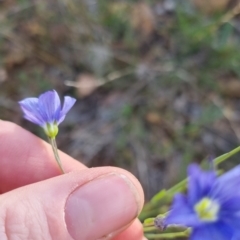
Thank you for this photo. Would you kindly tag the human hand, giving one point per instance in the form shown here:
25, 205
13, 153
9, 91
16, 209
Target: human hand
38, 203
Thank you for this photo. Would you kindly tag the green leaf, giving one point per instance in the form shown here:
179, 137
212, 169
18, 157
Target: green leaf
159, 196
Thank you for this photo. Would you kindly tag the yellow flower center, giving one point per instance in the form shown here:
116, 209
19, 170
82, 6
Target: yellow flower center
207, 210
51, 130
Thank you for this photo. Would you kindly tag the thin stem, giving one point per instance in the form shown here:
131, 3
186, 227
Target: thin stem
55, 151
150, 207
216, 161
181, 185
178, 187
167, 235
225, 156
149, 229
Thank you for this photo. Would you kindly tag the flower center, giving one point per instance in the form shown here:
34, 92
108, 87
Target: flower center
207, 210
51, 130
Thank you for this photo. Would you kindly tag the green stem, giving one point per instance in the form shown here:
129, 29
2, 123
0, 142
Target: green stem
167, 235
225, 156
181, 185
152, 206
149, 207
178, 187
55, 151
217, 161
149, 229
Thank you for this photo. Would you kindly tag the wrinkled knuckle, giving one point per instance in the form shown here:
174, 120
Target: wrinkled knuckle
23, 222
11, 225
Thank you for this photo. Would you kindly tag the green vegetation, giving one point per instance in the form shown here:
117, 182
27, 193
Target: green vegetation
165, 80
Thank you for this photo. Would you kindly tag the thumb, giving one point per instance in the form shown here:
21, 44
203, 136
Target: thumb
85, 205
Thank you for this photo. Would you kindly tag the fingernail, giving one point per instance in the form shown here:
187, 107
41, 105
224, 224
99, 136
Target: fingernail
100, 207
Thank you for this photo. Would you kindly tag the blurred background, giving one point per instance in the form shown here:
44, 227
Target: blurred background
157, 82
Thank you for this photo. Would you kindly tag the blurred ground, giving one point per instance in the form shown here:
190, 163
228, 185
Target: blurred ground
157, 82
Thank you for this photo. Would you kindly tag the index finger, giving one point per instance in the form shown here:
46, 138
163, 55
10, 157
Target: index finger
26, 159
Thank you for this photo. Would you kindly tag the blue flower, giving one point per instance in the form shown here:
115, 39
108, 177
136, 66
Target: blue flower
212, 206
46, 111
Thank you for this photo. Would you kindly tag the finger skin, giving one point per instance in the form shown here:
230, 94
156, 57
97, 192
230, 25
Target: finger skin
133, 232
39, 208
26, 159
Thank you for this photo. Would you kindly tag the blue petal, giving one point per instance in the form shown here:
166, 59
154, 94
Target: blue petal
233, 221
217, 231
31, 111
236, 235
224, 190
50, 106
231, 176
68, 103
230, 212
229, 181
199, 183
181, 213
230, 204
